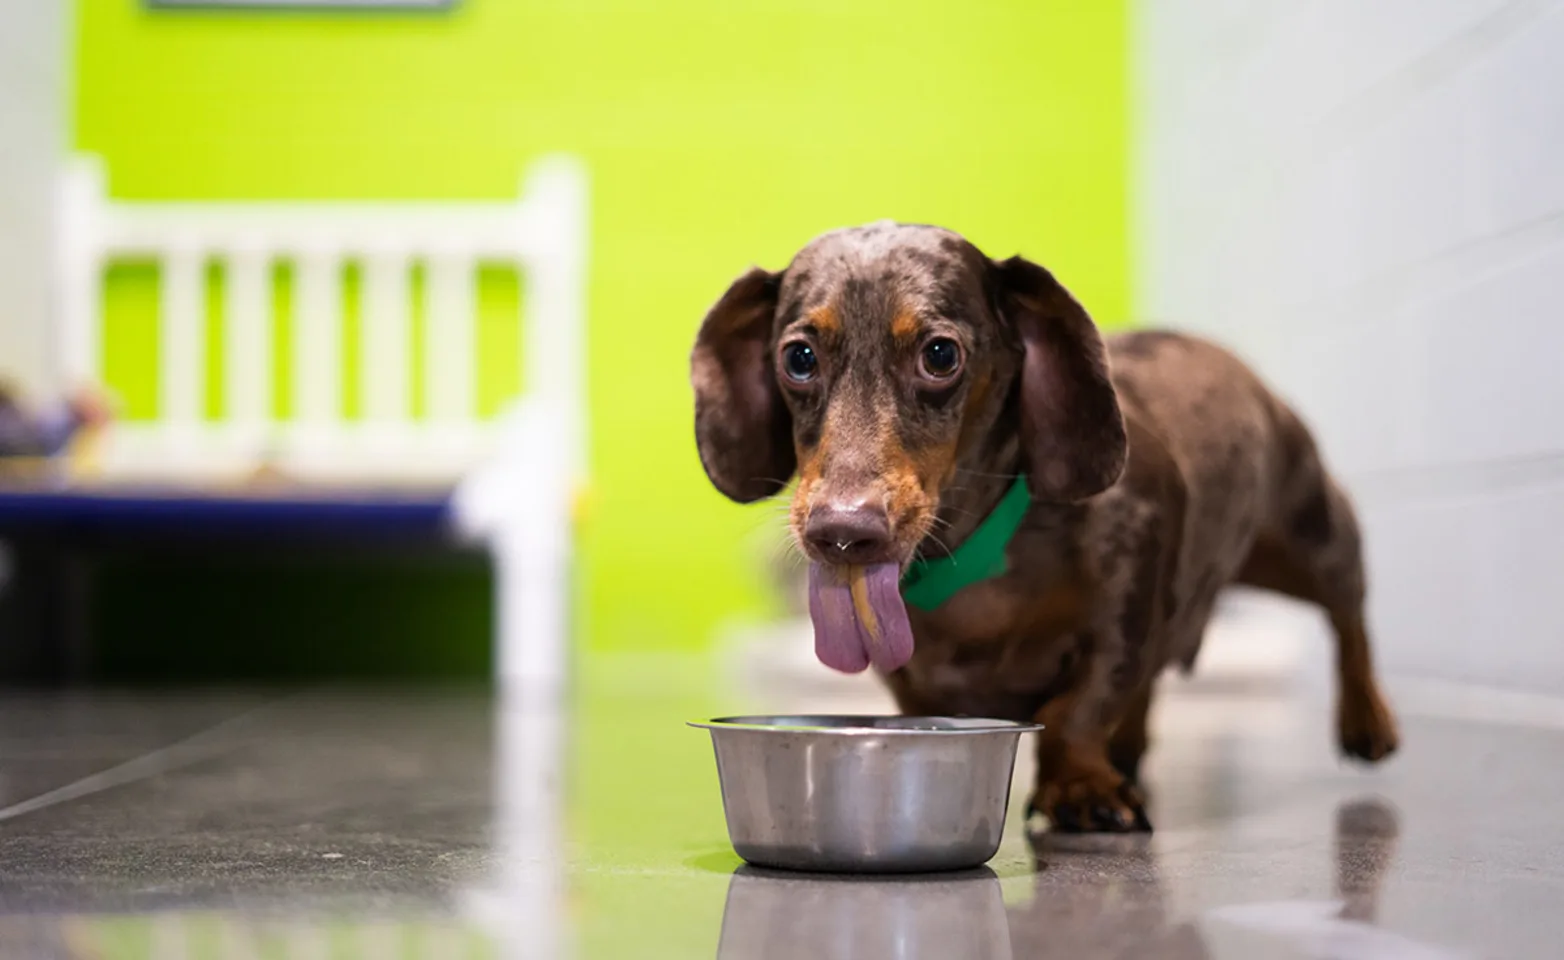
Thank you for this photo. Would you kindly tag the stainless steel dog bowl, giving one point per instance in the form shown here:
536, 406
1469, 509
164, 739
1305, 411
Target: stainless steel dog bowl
865, 794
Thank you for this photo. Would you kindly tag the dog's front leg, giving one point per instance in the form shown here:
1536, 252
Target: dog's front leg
1078, 789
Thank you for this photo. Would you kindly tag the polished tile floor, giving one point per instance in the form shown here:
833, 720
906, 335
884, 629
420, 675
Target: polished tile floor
424, 824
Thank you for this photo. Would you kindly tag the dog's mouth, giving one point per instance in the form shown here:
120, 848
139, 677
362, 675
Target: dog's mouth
859, 616
855, 569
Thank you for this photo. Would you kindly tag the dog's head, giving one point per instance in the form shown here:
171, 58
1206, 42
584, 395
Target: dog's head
874, 363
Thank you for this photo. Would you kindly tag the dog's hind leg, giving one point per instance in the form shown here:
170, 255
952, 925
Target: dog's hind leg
1312, 550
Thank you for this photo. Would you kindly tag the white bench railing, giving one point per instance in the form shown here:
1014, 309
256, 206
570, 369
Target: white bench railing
542, 235
517, 478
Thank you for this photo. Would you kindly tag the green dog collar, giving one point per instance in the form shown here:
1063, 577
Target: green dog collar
929, 583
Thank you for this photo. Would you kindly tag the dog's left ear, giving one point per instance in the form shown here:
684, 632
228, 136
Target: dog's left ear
1072, 432
742, 426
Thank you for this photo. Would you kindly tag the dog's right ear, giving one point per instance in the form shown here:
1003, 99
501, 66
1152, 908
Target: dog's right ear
742, 426
1072, 430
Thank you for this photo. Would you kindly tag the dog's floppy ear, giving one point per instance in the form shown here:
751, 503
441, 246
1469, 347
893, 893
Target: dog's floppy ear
1072, 432
742, 426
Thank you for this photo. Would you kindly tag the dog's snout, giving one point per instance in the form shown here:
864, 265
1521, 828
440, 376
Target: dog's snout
856, 532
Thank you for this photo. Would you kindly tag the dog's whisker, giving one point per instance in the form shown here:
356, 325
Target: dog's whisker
943, 545
786, 551
942, 522
764, 520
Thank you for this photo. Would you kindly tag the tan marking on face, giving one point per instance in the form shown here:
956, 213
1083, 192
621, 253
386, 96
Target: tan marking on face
912, 484
811, 461
933, 466
904, 326
825, 319
811, 465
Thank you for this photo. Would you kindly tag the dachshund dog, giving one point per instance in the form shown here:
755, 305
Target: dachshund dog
915, 387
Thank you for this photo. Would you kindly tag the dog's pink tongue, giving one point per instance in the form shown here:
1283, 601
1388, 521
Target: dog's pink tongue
859, 617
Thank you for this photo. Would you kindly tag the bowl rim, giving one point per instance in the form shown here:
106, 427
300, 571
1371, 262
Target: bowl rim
863, 725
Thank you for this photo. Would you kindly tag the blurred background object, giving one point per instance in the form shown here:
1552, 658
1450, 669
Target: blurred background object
29, 432
731, 140
1367, 200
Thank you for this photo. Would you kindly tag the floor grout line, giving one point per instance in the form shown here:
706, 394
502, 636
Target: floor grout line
196, 747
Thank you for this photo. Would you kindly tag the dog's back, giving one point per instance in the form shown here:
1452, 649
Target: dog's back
1249, 466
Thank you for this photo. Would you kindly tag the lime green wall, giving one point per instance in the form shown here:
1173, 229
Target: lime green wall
718, 134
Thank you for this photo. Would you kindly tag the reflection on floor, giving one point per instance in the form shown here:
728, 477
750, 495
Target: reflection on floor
330, 824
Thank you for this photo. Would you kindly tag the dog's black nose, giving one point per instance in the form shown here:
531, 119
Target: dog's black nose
849, 533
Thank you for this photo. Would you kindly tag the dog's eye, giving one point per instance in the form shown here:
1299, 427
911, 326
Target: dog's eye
799, 362
941, 358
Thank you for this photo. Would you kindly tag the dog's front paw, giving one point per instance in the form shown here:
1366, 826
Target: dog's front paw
1091, 801
1366, 728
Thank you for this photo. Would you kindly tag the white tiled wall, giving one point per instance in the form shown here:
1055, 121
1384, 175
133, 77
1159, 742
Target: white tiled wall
1366, 199
32, 137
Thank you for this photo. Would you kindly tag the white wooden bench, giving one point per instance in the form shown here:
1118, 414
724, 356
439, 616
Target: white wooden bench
515, 478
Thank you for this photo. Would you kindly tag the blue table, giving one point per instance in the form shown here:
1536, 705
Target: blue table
52, 533
286, 513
